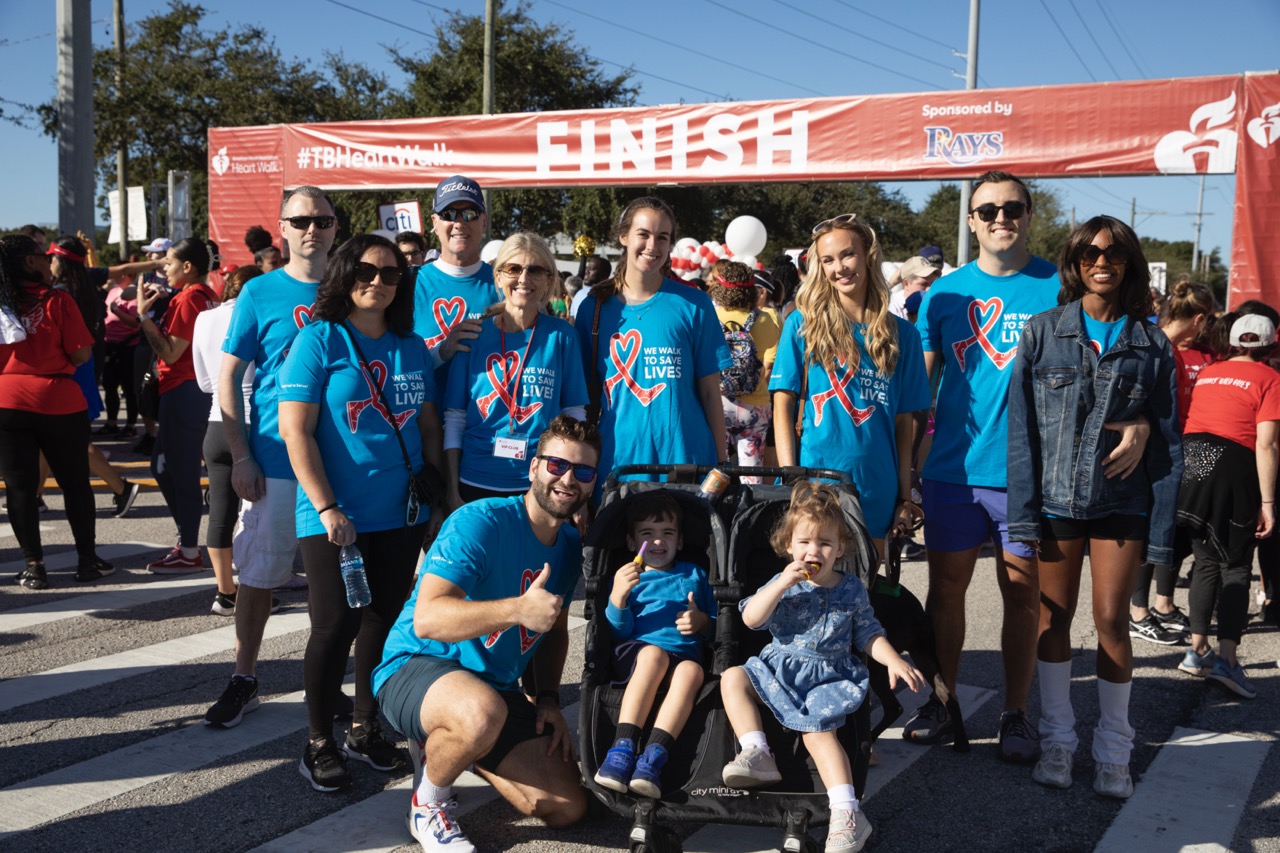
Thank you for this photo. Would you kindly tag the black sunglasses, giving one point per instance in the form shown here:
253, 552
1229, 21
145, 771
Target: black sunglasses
535, 272
1115, 255
834, 221
459, 214
558, 467
366, 273
302, 223
988, 212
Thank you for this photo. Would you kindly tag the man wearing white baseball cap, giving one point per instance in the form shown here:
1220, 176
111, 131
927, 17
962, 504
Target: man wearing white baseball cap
916, 274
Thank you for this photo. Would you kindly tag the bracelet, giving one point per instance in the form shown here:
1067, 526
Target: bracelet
242, 459
551, 694
1268, 502
326, 508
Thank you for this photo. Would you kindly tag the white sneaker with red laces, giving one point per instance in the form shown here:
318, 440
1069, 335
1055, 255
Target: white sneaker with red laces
436, 830
176, 563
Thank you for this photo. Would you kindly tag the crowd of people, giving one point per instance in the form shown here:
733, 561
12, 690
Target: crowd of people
364, 403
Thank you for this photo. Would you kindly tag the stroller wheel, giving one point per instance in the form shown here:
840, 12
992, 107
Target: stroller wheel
800, 844
659, 839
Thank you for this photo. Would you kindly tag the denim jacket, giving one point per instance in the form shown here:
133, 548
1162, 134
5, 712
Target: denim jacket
1060, 395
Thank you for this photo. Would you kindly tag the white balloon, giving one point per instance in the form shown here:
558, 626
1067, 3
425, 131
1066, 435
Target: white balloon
746, 235
490, 251
687, 243
749, 260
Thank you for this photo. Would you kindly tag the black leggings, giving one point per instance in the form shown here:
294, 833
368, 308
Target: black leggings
175, 459
224, 503
63, 439
390, 557
117, 375
1211, 580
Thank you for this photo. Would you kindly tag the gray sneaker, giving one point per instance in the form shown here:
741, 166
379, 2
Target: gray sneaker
1019, 743
1054, 767
752, 768
1113, 780
1196, 664
847, 832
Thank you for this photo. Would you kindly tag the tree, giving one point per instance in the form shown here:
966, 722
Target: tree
181, 78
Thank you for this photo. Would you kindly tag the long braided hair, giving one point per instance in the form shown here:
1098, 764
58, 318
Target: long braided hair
15, 281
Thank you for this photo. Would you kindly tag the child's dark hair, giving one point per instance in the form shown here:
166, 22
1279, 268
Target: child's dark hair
657, 504
815, 503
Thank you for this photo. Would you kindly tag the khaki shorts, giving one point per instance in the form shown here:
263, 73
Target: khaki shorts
266, 536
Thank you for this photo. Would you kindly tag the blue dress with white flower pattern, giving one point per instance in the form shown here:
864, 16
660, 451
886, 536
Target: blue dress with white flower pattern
811, 676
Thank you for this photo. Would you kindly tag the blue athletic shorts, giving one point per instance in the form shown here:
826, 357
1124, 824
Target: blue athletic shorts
958, 518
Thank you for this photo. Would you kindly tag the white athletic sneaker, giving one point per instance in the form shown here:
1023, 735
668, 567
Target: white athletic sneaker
752, 768
435, 828
1113, 780
847, 832
1054, 767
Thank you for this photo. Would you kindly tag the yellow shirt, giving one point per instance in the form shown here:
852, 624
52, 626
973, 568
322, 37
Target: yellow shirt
764, 334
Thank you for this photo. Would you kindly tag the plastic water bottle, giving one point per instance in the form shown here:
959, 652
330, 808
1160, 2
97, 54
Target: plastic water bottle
353, 577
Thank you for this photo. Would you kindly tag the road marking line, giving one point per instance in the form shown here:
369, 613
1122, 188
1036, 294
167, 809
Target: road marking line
1191, 796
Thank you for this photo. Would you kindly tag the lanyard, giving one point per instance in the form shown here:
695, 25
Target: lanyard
524, 359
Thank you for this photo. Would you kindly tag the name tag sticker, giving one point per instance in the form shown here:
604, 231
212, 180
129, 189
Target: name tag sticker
510, 448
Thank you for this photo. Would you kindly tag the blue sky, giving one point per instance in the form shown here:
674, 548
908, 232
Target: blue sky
710, 50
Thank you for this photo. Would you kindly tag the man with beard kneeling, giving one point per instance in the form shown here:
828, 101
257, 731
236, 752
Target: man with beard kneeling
490, 601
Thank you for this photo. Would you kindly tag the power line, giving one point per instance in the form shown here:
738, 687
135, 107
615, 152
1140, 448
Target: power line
1063, 33
1084, 27
1098, 186
633, 32
1142, 72
853, 32
368, 14
13, 42
738, 13
907, 30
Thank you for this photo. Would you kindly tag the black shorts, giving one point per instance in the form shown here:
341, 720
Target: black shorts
401, 701
1119, 528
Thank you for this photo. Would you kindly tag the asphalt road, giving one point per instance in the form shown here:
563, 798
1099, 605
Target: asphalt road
104, 687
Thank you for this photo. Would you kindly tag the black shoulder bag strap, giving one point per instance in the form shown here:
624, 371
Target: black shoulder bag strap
373, 380
595, 391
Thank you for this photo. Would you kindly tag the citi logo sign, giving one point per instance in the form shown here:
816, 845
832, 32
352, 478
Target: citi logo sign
962, 149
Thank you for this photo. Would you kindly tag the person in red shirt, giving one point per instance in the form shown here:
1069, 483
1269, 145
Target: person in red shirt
184, 408
42, 340
1228, 493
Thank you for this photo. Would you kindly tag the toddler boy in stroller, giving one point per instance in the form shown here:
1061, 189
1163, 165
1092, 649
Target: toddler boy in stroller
660, 613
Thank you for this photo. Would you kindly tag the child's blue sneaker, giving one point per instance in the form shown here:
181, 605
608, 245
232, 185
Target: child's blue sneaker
615, 770
648, 772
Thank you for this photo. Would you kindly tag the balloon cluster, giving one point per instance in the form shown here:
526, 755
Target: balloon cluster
743, 240
584, 246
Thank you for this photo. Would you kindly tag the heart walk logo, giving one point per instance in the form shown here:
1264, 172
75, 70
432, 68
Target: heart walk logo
982, 328
625, 350
842, 382
375, 370
527, 637
447, 313
503, 372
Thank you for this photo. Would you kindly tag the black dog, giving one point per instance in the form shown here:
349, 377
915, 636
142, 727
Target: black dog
909, 629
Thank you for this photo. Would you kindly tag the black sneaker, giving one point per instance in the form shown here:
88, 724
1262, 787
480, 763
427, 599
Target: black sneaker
124, 500
1152, 631
97, 570
367, 743
324, 767
107, 429
224, 604
240, 697
930, 724
1019, 743
1174, 621
41, 505
34, 576
145, 445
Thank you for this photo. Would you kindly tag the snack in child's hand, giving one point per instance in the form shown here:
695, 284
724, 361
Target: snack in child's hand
639, 558
816, 567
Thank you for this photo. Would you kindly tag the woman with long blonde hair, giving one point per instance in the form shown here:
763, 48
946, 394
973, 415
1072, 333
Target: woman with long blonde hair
858, 373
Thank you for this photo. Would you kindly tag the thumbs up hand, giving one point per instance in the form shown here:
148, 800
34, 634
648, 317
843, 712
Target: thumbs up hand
538, 608
692, 621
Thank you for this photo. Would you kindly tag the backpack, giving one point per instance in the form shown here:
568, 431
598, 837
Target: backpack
744, 375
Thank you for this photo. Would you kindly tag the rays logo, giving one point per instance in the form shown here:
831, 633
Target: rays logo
962, 149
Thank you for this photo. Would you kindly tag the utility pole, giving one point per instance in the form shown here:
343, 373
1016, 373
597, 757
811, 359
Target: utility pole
122, 152
1195, 248
75, 117
970, 82
1133, 211
486, 93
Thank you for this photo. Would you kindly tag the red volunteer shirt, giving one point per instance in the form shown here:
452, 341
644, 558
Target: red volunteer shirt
180, 322
1232, 398
35, 374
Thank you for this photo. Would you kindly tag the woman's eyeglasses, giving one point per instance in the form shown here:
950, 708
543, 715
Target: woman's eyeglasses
302, 223
988, 212
366, 273
834, 221
558, 467
459, 214
535, 273
1115, 255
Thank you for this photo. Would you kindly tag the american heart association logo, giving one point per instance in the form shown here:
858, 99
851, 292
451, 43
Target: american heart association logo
221, 162
1209, 147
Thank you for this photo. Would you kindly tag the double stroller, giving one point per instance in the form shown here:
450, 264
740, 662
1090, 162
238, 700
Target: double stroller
729, 538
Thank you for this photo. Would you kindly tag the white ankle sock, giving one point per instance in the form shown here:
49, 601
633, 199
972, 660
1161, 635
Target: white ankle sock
1057, 717
842, 797
1113, 738
431, 793
756, 739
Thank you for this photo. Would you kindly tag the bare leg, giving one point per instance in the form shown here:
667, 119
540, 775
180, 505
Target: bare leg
949, 575
637, 699
740, 701
678, 704
1020, 589
1060, 567
462, 717
830, 758
1113, 567
222, 570
546, 787
104, 470
253, 608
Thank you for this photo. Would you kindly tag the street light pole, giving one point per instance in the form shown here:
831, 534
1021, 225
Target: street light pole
970, 82
486, 93
122, 152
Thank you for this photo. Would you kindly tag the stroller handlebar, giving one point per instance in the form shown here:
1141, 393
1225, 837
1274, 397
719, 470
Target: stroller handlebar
689, 473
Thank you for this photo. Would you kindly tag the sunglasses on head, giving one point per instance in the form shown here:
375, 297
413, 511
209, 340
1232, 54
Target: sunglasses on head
834, 221
366, 273
302, 223
1115, 254
459, 214
988, 212
535, 273
558, 467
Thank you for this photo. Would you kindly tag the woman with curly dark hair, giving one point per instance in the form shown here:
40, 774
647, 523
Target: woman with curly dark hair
357, 417
43, 339
1092, 361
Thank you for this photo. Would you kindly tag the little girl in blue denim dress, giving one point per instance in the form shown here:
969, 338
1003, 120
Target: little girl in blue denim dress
808, 676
